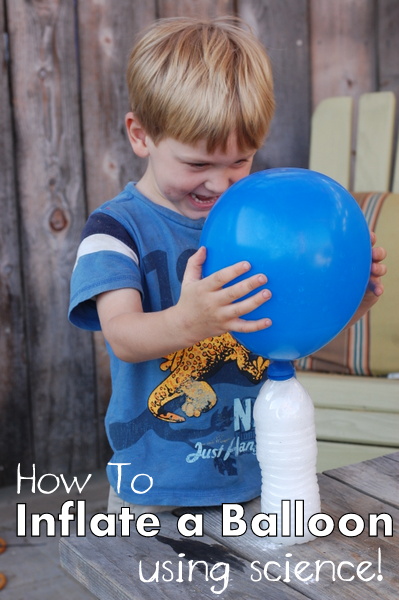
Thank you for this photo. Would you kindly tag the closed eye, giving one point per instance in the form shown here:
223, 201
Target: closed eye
198, 165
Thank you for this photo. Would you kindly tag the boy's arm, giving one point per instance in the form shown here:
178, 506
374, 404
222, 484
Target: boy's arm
205, 309
375, 288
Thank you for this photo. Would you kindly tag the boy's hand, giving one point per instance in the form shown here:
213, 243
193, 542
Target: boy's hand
206, 308
375, 288
378, 269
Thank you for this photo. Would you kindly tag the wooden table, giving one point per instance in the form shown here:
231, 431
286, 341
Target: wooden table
120, 568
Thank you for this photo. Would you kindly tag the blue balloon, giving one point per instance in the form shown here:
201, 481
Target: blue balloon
307, 234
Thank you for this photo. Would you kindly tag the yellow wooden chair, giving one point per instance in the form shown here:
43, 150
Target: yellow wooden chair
331, 142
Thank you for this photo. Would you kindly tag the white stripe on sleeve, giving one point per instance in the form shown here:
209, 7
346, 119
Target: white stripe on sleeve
99, 242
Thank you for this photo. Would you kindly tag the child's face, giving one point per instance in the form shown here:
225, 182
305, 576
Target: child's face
189, 180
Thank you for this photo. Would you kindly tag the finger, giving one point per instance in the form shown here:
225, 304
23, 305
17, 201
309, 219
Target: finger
242, 288
246, 326
376, 286
193, 270
378, 269
378, 290
224, 276
378, 254
239, 309
373, 238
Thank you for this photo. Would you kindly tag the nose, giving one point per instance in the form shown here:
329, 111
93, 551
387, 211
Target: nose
219, 181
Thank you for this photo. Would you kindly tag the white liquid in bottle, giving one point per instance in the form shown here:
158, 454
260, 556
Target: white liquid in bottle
286, 449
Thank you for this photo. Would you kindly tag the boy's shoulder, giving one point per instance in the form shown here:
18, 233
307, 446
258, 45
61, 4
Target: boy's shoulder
123, 203
130, 208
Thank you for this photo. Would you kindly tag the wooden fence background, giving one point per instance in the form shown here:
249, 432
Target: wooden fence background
63, 151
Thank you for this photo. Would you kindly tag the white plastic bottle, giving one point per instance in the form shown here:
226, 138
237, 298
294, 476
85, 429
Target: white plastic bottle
287, 451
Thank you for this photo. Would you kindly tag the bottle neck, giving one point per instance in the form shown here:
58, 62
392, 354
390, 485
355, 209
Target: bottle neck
280, 370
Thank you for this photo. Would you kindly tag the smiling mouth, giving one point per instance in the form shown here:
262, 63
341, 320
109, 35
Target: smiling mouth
204, 200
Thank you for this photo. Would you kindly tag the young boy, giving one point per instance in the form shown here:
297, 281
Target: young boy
180, 416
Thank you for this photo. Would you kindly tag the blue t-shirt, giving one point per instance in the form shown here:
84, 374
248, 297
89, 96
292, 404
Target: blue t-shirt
181, 427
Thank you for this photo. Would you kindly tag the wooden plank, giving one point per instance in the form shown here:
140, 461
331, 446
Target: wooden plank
107, 32
188, 8
351, 392
388, 50
332, 455
395, 181
109, 567
282, 26
342, 48
379, 478
337, 500
374, 143
388, 45
394, 457
343, 56
15, 438
384, 317
51, 204
357, 427
331, 139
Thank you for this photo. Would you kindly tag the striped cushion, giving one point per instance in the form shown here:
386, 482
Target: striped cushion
371, 346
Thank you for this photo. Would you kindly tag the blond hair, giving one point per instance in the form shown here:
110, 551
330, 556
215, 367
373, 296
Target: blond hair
192, 80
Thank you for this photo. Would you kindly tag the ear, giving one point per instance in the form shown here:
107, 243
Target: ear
137, 135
